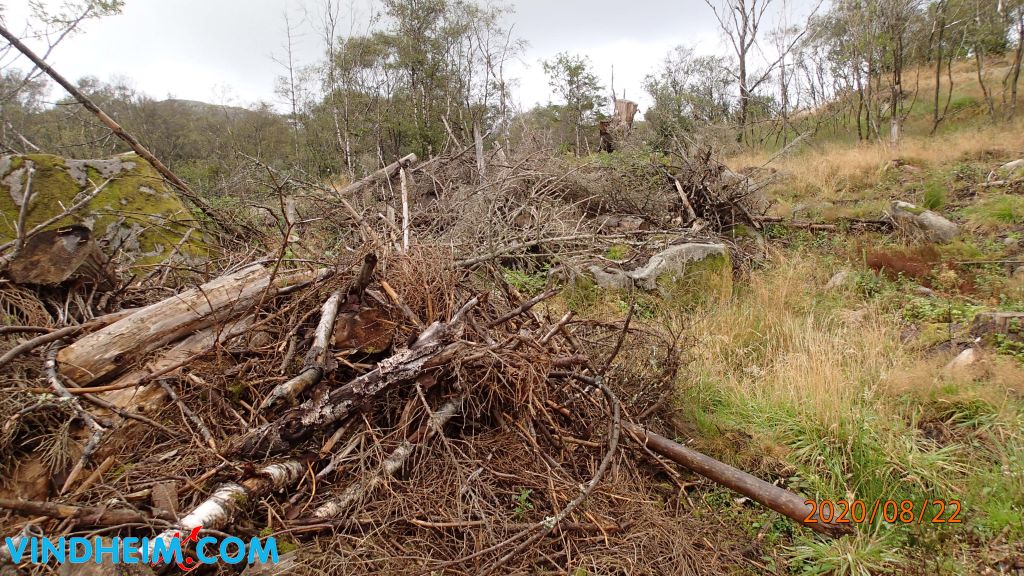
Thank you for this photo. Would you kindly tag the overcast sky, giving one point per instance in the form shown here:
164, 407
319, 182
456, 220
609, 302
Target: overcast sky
222, 51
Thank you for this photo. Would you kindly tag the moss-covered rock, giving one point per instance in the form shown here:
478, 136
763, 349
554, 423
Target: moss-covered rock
136, 218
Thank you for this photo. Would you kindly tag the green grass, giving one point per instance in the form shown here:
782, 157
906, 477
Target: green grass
994, 213
934, 197
842, 404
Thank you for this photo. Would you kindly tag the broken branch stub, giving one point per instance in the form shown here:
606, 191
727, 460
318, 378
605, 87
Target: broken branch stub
436, 346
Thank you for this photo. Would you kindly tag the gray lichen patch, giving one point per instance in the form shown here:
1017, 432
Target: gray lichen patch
15, 181
109, 168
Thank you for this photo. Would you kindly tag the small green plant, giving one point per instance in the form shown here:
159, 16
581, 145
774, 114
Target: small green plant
934, 194
617, 252
523, 503
938, 310
644, 309
525, 282
1009, 346
868, 284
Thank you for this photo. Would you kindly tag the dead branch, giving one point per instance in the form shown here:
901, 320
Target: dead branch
434, 347
120, 132
782, 501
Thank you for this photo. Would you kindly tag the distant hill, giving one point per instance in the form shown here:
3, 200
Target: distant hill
204, 107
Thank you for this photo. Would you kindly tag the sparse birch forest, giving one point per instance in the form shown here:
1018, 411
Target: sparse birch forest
766, 319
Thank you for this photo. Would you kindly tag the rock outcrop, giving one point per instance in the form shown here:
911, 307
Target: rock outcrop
926, 223
135, 218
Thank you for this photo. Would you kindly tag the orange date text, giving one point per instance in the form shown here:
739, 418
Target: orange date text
888, 511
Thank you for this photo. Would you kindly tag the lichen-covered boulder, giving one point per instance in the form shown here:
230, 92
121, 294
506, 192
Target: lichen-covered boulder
924, 222
136, 218
701, 272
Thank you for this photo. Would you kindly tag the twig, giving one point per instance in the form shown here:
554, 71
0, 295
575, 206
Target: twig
523, 307
405, 210
363, 489
25, 329
26, 199
203, 430
97, 431
401, 305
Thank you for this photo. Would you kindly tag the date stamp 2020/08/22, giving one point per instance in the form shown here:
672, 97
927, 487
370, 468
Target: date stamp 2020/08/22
889, 511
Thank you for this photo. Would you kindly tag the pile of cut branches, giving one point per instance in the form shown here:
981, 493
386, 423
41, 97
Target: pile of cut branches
401, 416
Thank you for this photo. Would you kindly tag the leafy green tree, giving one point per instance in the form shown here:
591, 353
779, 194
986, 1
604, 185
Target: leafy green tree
689, 92
574, 83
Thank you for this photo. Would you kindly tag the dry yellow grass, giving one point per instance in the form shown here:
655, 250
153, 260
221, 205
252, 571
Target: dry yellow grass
845, 171
778, 344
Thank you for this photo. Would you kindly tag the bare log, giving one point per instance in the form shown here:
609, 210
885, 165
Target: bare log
108, 351
781, 500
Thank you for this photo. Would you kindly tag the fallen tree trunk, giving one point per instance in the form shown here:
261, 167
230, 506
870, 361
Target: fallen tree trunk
54, 335
837, 224
382, 175
110, 350
781, 500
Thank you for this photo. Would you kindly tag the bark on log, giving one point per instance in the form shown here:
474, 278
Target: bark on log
214, 512
108, 351
779, 499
